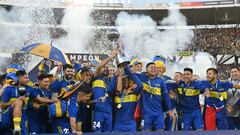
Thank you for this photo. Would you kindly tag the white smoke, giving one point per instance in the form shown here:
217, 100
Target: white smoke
141, 35
19, 27
199, 62
78, 21
142, 38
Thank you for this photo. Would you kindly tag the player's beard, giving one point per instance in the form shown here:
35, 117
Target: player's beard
105, 73
211, 79
69, 77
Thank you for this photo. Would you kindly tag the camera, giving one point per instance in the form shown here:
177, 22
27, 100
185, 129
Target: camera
22, 91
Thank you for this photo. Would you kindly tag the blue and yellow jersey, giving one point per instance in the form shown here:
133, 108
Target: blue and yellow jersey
165, 77
153, 91
101, 87
57, 85
42, 112
63, 88
218, 93
11, 93
126, 104
188, 95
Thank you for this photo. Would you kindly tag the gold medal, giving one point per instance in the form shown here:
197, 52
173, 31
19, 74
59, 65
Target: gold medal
88, 106
221, 98
119, 106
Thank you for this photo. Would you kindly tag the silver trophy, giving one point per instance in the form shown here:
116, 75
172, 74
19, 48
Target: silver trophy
121, 60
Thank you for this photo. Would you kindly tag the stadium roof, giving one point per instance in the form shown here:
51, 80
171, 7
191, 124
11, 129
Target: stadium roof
214, 15
196, 15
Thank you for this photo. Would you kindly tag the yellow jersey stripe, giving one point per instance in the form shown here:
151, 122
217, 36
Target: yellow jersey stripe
189, 92
154, 90
99, 83
127, 98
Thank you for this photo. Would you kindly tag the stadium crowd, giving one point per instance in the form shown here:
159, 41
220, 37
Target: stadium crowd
77, 99
216, 41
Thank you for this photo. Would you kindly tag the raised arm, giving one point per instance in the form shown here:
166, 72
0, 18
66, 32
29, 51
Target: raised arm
112, 87
119, 83
138, 82
104, 63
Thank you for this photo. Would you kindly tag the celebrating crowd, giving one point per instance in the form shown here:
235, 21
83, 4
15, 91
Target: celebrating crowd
216, 41
77, 99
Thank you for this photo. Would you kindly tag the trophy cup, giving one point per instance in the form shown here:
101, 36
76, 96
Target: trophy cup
121, 60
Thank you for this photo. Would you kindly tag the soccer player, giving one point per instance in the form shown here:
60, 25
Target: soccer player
126, 102
38, 113
188, 93
178, 76
215, 114
65, 80
76, 103
80, 112
102, 87
14, 103
154, 89
63, 85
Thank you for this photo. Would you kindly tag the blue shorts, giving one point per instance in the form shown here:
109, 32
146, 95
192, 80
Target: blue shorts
192, 120
126, 126
152, 121
222, 121
102, 122
7, 121
7, 117
61, 126
37, 126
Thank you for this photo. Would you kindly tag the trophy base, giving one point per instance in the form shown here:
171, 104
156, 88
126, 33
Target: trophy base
123, 64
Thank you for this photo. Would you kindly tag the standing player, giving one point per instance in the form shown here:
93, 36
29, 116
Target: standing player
102, 87
126, 102
154, 89
188, 93
216, 115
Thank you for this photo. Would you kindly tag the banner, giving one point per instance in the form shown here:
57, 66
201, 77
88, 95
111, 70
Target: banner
85, 57
49, 65
185, 53
191, 4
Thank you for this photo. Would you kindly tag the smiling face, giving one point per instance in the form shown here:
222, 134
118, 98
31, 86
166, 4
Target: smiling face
86, 76
69, 73
23, 79
44, 83
187, 76
105, 71
151, 70
139, 67
111, 71
235, 74
178, 77
211, 76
